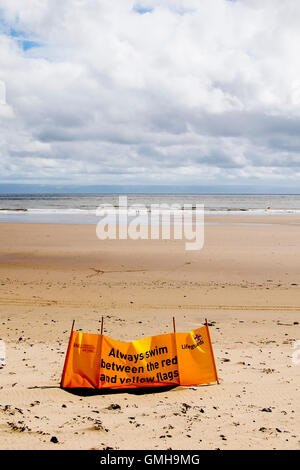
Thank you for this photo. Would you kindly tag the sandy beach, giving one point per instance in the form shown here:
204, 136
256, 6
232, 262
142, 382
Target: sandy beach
245, 281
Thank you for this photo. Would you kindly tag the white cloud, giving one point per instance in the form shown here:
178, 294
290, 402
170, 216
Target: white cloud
2, 93
150, 91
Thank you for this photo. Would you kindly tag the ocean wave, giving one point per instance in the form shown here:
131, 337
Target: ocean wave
102, 211
13, 210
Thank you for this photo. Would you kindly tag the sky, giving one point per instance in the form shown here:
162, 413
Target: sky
150, 92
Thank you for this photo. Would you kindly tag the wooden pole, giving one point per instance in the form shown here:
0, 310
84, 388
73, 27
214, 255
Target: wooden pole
100, 354
175, 342
211, 351
67, 354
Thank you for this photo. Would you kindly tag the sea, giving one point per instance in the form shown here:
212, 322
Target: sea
86, 208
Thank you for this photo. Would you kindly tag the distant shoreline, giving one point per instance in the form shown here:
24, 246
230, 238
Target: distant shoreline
211, 219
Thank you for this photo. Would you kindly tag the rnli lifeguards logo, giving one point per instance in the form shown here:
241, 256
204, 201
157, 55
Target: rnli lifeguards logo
198, 339
85, 347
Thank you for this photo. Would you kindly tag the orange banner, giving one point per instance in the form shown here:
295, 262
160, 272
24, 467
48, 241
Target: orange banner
96, 361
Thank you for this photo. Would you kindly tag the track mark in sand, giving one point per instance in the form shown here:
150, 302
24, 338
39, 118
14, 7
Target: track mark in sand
42, 302
101, 271
97, 271
71, 303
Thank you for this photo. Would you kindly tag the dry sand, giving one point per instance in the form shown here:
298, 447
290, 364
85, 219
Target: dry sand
246, 281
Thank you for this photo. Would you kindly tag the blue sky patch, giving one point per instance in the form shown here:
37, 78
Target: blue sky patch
22, 38
142, 10
26, 45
